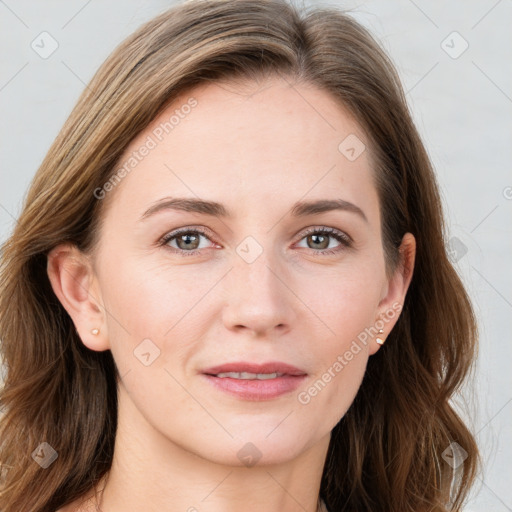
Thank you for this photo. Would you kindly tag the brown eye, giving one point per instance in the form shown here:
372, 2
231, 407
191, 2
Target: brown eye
185, 241
319, 240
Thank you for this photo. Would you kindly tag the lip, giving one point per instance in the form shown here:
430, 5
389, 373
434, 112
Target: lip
243, 366
256, 390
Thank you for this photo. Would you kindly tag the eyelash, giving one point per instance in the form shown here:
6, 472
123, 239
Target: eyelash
344, 239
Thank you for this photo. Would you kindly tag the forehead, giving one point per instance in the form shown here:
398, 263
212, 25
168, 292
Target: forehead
247, 144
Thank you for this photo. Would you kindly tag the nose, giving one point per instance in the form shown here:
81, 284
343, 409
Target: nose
258, 297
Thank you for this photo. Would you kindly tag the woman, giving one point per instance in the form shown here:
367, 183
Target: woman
229, 287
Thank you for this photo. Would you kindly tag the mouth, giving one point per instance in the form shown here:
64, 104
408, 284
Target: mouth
246, 370
256, 382
248, 376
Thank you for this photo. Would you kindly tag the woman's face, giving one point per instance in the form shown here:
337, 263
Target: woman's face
255, 279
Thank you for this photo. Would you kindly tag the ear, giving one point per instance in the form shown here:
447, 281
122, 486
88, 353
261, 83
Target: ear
74, 283
393, 298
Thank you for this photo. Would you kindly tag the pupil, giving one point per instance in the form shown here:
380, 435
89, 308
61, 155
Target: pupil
316, 240
187, 240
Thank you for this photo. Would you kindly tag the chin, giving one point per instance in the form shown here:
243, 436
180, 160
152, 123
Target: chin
254, 446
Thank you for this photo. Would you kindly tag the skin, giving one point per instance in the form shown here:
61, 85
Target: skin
256, 148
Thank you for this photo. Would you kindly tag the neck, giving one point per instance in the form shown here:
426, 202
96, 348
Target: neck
149, 472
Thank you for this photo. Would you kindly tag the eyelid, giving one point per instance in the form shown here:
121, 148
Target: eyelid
176, 232
325, 229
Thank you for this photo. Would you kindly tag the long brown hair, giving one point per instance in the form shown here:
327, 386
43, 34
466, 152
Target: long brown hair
386, 453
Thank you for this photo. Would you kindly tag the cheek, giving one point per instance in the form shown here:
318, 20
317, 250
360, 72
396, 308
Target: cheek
347, 308
332, 388
150, 300
347, 302
165, 305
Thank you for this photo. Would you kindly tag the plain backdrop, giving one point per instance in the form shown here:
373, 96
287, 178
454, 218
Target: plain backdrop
454, 62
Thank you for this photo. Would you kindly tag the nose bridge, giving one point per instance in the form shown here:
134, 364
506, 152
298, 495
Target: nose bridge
257, 297
255, 269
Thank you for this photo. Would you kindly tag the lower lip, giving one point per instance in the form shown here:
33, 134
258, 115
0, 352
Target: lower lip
256, 389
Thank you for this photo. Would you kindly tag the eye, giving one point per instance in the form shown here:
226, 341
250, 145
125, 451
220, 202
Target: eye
319, 240
185, 241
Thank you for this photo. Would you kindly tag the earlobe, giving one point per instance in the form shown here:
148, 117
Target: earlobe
391, 305
72, 278
379, 339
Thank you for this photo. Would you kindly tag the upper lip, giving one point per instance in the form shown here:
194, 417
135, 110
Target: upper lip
242, 366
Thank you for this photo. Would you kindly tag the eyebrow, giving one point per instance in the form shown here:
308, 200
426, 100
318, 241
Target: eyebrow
299, 209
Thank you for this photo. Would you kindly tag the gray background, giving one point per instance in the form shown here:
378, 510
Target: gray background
462, 105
